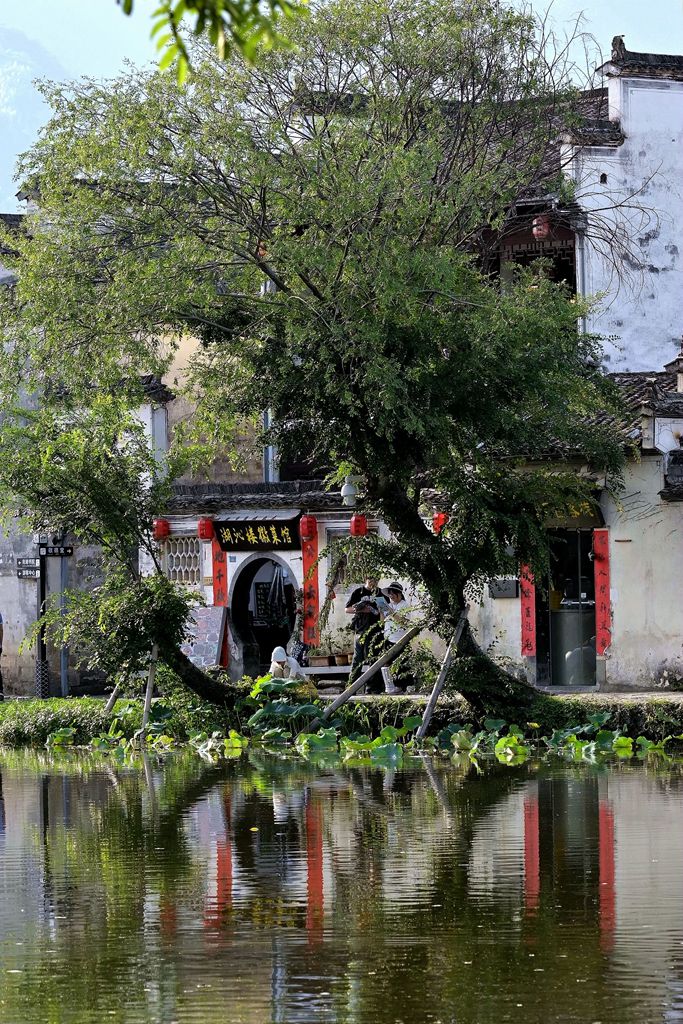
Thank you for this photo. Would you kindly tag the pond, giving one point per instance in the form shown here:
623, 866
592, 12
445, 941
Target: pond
266, 890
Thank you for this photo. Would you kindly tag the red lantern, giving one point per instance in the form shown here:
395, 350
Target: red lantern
540, 227
205, 530
161, 528
308, 528
439, 520
359, 526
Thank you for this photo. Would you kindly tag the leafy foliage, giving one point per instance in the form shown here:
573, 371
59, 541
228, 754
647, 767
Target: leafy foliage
88, 472
366, 176
242, 24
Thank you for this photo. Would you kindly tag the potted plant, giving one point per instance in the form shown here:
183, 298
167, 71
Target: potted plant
343, 646
327, 646
316, 657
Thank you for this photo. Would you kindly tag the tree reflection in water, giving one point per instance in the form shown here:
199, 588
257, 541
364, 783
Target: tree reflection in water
266, 889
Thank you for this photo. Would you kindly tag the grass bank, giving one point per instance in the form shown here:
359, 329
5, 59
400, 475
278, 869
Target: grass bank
31, 722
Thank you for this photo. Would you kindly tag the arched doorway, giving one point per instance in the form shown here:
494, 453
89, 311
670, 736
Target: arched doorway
262, 611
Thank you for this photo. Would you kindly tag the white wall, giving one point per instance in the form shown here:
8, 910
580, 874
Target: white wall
646, 560
646, 576
643, 302
497, 626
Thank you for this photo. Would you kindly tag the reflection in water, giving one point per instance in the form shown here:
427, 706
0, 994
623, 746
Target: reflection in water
266, 890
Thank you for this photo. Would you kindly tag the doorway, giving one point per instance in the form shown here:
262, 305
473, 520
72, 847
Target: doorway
565, 612
262, 612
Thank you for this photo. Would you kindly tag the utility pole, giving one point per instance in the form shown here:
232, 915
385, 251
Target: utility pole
42, 669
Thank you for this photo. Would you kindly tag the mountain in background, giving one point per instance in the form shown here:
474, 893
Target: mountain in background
22, 110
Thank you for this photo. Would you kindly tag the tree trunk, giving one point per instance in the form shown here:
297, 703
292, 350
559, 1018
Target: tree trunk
109, 706
195, 679
486, 687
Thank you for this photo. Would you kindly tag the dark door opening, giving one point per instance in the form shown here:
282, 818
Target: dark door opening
262, 612
565, 612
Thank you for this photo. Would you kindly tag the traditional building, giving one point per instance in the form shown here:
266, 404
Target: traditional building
258, 546
265, 552
609, 615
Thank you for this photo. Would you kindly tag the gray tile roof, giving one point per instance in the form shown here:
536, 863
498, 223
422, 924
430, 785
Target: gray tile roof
641, 391
308, 495
657, 391
646, 65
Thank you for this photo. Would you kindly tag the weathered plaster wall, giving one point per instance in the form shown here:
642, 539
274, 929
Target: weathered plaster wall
181, 410
18, 604
18, 607
642, 306
646, 562
497, 626
646, 567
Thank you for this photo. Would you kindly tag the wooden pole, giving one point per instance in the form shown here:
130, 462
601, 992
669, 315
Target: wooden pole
109, 706
443, 672
388, 656
150, 685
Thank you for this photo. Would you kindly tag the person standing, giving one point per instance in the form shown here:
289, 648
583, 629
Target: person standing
366, 604
396, 625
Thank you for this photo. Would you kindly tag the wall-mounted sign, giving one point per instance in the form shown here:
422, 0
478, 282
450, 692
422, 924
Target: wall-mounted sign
31, 572
258, 534
503, 588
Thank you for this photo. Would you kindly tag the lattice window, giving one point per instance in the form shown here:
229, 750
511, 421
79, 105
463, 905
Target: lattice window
184, 560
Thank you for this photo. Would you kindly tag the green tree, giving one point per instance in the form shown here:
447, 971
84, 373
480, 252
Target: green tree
240, 24
89, 473
366, 176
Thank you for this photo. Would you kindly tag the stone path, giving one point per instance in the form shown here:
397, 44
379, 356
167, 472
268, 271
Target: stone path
594, 696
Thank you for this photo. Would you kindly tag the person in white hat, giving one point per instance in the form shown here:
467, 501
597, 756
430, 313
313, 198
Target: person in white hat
396, 625
282, 666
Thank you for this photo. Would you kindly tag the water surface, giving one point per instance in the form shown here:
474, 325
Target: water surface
265, 890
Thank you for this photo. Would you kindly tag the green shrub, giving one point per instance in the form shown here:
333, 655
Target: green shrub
30, 722
190, 714
652, 717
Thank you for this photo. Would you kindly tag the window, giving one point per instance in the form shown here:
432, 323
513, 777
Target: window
184, 560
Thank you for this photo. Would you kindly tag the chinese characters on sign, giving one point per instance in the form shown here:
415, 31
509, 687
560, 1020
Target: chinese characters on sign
528, 609
278, 534
220, 575
603, 616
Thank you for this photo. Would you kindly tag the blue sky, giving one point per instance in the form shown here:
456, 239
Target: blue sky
63, 39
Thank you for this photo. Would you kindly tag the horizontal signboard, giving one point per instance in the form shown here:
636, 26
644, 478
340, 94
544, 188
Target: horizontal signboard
31, 572
258, 535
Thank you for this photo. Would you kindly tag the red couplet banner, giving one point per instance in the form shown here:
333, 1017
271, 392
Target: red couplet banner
527, 590
603, 610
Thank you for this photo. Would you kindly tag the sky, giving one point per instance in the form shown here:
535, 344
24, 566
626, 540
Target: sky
65, 39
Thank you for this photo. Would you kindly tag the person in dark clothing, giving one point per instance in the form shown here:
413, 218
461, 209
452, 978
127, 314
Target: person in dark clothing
365, 604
